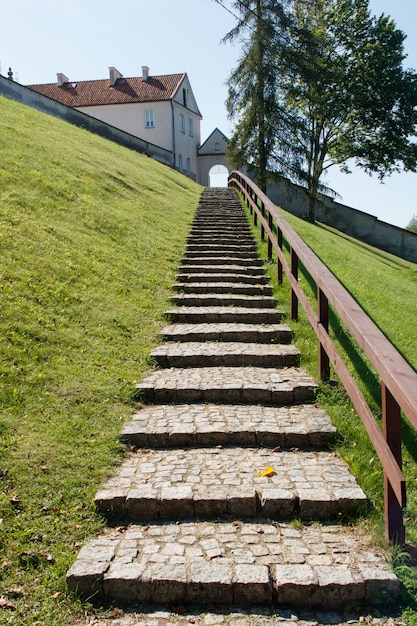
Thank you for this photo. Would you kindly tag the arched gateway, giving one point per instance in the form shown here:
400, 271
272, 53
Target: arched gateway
213, 167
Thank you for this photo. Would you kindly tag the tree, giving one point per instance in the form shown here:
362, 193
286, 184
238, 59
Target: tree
352, 96
253, 85
412, 225
341, 93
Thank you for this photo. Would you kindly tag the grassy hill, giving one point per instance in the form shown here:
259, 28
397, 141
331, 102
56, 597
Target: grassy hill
91, 236
385, 287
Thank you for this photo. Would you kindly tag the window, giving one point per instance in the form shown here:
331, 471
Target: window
190, 127
180, 162
184, 97
182, 123
188, 167
216, 147
149, 122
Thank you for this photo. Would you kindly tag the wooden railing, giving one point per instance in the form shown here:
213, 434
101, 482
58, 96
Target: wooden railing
398, 379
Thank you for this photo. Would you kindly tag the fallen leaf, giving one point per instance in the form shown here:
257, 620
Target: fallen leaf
269, 471
5, 604
15, 591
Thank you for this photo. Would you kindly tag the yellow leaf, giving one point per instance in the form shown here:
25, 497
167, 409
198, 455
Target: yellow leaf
269, 471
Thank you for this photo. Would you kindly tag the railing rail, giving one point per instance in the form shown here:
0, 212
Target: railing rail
398, 379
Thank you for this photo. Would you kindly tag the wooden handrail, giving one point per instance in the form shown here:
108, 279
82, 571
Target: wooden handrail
398, 379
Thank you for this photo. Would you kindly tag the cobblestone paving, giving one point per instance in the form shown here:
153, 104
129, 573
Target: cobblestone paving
252, 333
207, 527
224, 299
256, 617
217, 354
211, 277
257, 564
186, 270
205, 483
223, 287
247, 385
224, 314
302, 426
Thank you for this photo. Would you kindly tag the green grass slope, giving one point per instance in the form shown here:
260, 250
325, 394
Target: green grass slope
386, 288
91, 236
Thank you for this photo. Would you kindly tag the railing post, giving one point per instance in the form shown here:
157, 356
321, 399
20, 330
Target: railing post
279, 264
255, 215
262, 226
294, 299
323, 309
270, 224
391, 422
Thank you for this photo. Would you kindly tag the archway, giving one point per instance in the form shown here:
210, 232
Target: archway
218, 175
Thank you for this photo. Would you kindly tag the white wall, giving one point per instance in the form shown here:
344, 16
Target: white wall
131, 119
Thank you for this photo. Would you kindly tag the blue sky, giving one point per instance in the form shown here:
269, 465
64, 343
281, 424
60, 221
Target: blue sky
82, 38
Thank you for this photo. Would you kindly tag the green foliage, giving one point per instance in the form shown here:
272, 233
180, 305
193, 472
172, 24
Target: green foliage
253, 85
328, 88
412, 225
90, 240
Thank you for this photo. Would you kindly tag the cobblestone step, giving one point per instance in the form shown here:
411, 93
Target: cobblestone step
220, 260
228, 385
204, 235
232, 564
224, 287
225, 353
224, 277
224, 300
223, 315
228, 252
229, 404
302, 426
188, 270
249, 333
212, 483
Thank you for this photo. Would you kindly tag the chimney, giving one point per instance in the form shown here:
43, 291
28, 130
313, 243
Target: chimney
114, 76
62, 79
145, 73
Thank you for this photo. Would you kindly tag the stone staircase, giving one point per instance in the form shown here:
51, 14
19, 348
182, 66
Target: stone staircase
229, 494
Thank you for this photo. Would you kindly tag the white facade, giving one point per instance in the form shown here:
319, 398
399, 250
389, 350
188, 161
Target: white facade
171, 124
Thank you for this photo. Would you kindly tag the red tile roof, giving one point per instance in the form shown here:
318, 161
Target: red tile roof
125, 91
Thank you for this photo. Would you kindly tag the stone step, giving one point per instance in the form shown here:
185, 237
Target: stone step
220, 250
221, 235
251, 262
232, 564
222, 300
224, 314
221, 230
248, 333
224, 287
213, 483
226, 277
225, 353
188, 270
227, 385
190, 425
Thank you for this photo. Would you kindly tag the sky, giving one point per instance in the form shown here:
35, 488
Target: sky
83, 38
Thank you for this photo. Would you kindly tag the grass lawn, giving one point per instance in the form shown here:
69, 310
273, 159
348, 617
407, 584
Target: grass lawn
386, 288
91, 236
